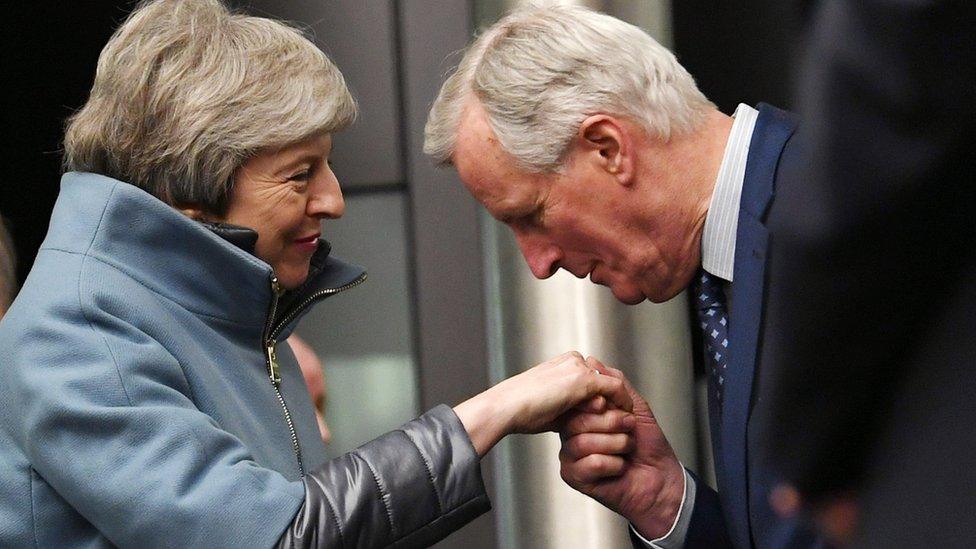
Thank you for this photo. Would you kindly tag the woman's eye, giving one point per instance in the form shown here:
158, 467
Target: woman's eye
302, 176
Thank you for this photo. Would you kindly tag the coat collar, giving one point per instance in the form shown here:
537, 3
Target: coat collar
773, 129
177, 258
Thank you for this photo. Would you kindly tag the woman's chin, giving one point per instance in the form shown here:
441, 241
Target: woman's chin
291, 277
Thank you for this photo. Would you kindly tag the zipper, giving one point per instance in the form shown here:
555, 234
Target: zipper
271, 339
273, 372
321, 294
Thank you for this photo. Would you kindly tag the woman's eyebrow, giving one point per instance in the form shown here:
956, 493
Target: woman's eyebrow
309, 158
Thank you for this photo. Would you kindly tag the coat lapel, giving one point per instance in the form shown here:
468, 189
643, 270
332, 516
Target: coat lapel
773, 128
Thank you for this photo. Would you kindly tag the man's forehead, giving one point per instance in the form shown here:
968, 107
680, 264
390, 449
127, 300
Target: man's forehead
474, 136
490, 173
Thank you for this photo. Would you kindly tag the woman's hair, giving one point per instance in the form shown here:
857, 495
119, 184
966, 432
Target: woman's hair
186, 91
540, 71
8, 268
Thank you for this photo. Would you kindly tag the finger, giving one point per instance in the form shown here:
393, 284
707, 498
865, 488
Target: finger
592, 468
559, 359
583, 445
785, 500
594, 362
596, 405
615, 390
611, 421
570, 355
838, 519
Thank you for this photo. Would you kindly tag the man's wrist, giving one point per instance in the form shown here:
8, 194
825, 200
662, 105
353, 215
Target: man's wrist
660, 519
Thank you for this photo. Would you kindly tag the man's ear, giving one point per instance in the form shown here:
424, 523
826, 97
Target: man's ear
611, 145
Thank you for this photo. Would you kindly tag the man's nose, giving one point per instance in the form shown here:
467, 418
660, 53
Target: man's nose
541, 256
326, 198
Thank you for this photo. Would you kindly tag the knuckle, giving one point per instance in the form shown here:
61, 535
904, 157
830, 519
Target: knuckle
597, 463
576, 446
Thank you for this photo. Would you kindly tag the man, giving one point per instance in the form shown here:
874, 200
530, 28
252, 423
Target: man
596, 148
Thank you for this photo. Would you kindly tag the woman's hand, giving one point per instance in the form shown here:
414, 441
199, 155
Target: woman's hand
530, 402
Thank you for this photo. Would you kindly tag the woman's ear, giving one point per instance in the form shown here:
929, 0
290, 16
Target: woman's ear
193, 212
611, 146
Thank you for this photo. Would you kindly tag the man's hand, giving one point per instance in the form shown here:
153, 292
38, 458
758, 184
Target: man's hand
623, 461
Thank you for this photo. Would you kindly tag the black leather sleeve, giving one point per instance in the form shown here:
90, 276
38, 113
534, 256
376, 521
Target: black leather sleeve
408, 488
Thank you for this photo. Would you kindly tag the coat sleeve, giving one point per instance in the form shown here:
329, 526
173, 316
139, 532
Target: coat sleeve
408, 488
707, 527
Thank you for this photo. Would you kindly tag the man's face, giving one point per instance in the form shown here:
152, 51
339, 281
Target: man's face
581, 219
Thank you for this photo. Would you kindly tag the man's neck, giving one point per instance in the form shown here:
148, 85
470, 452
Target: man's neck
689, 165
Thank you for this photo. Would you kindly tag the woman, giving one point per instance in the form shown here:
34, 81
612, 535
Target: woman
147, 398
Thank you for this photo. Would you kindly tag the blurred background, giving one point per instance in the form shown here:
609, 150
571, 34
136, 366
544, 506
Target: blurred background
449, 307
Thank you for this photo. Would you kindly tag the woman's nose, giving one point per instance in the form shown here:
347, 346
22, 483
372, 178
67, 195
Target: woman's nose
326, 199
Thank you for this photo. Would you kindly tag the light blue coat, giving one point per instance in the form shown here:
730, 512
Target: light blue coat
137, 407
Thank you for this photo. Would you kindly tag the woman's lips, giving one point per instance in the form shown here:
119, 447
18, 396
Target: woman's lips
309, 243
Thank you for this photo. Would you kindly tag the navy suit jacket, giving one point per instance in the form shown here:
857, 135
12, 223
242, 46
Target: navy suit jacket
739, 514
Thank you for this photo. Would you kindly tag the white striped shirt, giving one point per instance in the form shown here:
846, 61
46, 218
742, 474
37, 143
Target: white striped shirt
718, 258
718, 239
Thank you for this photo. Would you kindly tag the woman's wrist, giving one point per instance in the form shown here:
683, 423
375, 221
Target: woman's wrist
485, 420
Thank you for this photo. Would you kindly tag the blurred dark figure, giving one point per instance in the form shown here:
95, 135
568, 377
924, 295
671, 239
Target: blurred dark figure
874, 419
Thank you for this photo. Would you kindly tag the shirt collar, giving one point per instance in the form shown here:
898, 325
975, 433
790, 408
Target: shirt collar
718, 238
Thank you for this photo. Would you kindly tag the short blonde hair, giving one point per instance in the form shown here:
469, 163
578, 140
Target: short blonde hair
186, 91
540, 71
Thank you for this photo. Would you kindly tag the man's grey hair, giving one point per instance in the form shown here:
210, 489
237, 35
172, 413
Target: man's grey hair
542, 70
186, 91
8, 268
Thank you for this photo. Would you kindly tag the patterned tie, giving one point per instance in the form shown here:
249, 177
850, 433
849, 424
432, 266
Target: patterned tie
714, 322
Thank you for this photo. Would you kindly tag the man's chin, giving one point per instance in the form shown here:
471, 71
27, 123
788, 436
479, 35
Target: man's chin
629, 296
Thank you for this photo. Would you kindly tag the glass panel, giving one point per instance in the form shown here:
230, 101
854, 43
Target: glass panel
365, 335
358, 35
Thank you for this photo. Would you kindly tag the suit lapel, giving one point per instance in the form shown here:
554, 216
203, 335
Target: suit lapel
773, 128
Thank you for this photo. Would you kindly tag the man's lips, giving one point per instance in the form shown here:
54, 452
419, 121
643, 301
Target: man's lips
580, 273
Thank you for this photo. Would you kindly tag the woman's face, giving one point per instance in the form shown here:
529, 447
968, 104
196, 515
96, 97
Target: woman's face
282, 194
